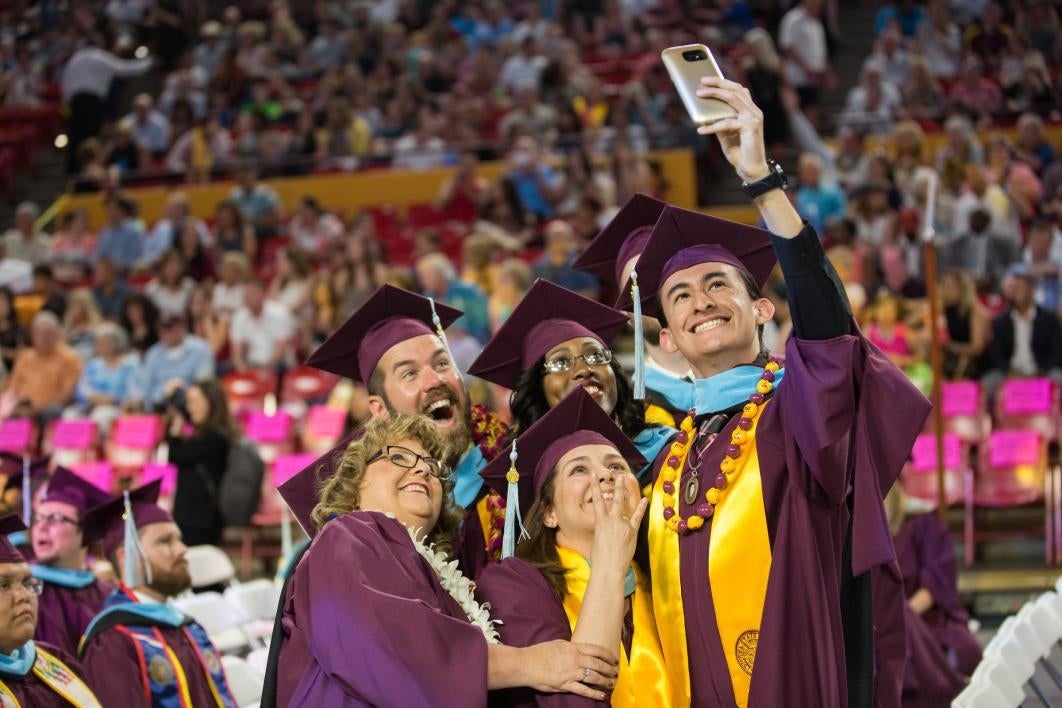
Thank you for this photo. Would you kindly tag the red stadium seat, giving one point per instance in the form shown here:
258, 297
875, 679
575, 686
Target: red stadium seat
305, 384
246, 391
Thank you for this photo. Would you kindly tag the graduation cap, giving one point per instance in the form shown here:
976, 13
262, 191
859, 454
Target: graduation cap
392, 315
546, 316
302, 490
682, 239
8, 525
118, 521
68, 488
576, 421
27, 474
622, 238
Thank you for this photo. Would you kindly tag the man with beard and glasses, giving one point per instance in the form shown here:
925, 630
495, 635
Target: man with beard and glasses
140, 633
72, 595
31, 673
395, 344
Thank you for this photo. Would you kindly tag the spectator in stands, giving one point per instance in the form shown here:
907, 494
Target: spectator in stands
463, 194
876, 221
170, 289
291, 285
981, 252
108, 287
523, 69
201, 458
767, 83
86, 82
122, 240
209, 325
21, 82
968, 326
125, 154
1017, 180
262, 332
421, 148
209, 53
198, 261
893, 58
816, 201
235, 270
1032, 89
940, 41
24, 242
313, 229
201, 148
1026, 339
47, 292
438, 279
150, 127
140, 318
79, 322
1044, 265
163, 236
922, 96
12, 335
906, 15
106, 380
232, 231
73, 248
45, 374
257, 202
981, 194
556, 261
178, 360
529, 116
802, 39
908, 159
988, 38
537, 186
960, 150
1032, 147
973, 94
872, 103
888, 330
514, 279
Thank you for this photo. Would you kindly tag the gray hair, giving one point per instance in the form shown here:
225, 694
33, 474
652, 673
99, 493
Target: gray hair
440, 264
45, 317
28, 208
119, 339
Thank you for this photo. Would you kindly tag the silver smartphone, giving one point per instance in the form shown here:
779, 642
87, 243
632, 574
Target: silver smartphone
686, 65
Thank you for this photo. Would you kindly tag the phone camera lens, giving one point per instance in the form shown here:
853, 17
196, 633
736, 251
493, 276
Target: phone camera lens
694, 55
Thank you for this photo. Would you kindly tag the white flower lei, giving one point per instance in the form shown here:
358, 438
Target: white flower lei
460, 588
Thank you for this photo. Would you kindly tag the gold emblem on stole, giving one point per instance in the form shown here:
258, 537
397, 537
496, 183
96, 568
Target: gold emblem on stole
160, 670
745, 649
211, 661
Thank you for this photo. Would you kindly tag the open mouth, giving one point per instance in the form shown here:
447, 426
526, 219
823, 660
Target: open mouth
709, 325
415, 488
441, 411
594, 388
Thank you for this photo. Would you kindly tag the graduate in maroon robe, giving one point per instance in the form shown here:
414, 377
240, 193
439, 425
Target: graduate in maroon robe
763, 596
141, 650
396, 345
22, 490
368, 619
72, 595
32, 673
573, 576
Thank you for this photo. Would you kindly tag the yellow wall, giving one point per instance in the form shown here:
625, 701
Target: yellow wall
352, 192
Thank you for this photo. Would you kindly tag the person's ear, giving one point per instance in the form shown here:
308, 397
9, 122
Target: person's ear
667, 343
549, 519
377, 406
764, 310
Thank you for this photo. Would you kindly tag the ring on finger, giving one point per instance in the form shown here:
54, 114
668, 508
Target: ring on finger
586, 672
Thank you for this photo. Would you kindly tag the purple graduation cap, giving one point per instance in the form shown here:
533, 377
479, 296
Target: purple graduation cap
577, 420
27, 474
622, 239
546, 316
682, 239
8, 525
302, 490
68, 488
392, 315
117, 523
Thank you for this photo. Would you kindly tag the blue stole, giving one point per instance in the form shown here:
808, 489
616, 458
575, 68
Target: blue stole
677, 391
20, 661
729, 388
19, 538
63, 577
650, 442
467, 481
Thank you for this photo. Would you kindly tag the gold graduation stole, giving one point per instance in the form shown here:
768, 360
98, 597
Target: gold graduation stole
58, 677
643, 679
739, 566
655, 415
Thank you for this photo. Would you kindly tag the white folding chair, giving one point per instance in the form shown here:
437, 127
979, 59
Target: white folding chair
258, 599
245, 682
258, 659
209, 565
993, 671
222, 622
1058, 585
982, 695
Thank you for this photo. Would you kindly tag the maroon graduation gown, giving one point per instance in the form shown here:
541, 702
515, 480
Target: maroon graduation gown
31, 692
64, 613
841, 423
366, 622
112, 667
530, 613
926, 555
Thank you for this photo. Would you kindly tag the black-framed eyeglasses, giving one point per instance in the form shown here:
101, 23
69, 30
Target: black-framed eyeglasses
30, 585
562, 363
52, 520
403, 457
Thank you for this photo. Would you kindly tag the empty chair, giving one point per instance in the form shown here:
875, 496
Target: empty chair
272, 434
258, 659
994, 672
919, 476
324, 428
73, 441
258, 600
1029, 404
244, 681
965, 411
221, 620
16, 436
307, 385
983, 695
209, 565
246, 391
132, 442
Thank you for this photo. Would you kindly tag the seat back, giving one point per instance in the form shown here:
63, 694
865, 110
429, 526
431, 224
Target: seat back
246, 391
16, 436
324, 428
211, 610
73, 441
1012, 469
1029, 404
98, 473
209, 565
964, 410
919, 478
257, 598
258, 659
245, 682
307, 385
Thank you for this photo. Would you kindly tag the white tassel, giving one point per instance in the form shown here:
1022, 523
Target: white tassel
135, 556
27, 493
639, 340
512, 508
435, 320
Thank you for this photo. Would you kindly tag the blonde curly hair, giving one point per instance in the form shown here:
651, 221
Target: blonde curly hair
342, 493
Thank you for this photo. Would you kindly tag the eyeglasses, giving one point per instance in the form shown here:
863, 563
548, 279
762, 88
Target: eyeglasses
31, 585
398, 455
560, 364
52, 520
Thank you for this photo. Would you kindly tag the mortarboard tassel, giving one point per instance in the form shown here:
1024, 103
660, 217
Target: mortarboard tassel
134, 552
27, 493
639, 340
512, 508
441, 332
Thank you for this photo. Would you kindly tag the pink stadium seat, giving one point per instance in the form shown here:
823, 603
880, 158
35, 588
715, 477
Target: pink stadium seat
132, 443
919, 477
965, 411
16, 436
73, 441
160, 470
1030, 404
98, 473
324, 427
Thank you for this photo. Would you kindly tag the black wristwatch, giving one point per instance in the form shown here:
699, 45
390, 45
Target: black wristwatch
776, 179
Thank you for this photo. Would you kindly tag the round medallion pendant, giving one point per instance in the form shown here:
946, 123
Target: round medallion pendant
692, 487
745, 649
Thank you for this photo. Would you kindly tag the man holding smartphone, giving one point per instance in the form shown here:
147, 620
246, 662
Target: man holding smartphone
766, 526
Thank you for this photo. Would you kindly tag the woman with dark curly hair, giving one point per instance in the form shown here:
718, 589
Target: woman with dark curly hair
554, 342
375, 614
